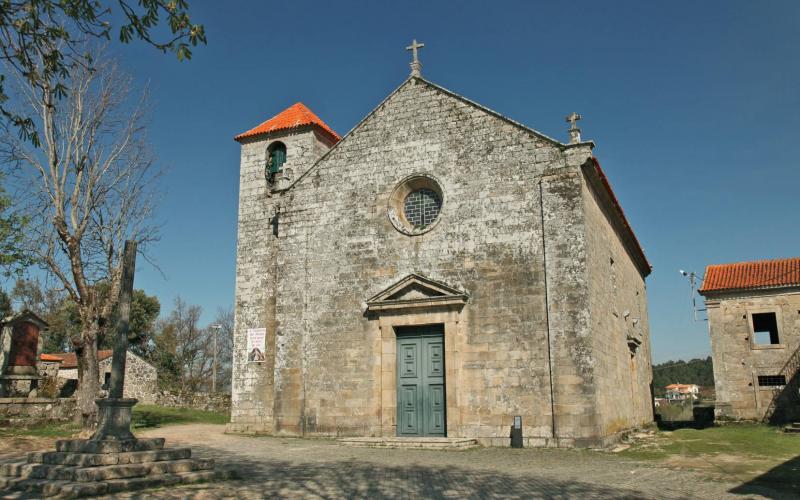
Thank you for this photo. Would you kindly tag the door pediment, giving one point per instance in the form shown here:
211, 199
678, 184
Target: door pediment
415, 291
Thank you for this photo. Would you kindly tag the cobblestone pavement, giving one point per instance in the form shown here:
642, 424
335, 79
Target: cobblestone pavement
315, 468
322, 469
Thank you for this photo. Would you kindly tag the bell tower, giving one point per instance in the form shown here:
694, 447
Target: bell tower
274, 155
287, 145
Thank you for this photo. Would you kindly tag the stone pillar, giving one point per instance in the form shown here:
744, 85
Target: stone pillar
115, 411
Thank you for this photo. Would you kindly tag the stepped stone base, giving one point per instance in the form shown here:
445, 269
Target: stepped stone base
427, 443
81, 468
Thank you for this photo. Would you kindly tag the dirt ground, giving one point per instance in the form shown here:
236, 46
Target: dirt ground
318, 468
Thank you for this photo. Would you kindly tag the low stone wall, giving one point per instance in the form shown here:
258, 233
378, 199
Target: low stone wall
32, 411
218, 402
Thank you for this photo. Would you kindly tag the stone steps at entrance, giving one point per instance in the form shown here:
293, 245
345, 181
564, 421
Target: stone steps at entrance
424, 443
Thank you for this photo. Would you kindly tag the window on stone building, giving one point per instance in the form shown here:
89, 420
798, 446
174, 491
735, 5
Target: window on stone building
277, 157
771, 380
421, 207
765, 328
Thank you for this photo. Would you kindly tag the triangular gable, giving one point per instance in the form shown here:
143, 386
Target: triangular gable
28, 316
415, 80
416, 291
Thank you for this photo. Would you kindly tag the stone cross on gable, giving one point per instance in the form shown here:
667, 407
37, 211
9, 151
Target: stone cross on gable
416, 66
572, 119
574, 131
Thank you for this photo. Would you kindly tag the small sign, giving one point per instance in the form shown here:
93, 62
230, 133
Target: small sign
256, 345
518, 422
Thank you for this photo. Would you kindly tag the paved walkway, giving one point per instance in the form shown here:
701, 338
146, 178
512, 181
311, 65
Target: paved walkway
315, 468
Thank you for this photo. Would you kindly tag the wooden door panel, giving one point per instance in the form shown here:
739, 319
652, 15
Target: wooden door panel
436, 410
409, 421
435, 358
410, 360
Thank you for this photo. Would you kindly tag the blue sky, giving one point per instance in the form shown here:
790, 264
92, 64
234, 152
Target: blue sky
693, 107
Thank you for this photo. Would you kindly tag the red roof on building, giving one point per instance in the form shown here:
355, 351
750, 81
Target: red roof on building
50, 357
748, 275
69, 360
680, 386
297, 115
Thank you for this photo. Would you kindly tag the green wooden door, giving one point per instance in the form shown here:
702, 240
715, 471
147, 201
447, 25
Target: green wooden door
420, 381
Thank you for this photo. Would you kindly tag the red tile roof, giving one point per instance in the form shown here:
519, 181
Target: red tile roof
680, 386
50, 357
294, 116
69, 360
748, 275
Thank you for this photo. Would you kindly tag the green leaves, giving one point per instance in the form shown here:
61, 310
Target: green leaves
41, 39
12, 225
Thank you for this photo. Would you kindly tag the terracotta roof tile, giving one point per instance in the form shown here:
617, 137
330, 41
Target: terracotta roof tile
69, 360
50, 357
297, 115
748, 275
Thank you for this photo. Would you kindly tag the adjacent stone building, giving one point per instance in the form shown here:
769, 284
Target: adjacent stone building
754, 323
141, 378
437, 271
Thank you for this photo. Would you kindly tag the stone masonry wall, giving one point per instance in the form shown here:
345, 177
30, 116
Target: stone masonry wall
205, 401
256, 261
21, 412
141, 378
738, 361
618, 308
570, 344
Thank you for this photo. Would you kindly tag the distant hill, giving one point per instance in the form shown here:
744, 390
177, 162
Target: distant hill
695, 371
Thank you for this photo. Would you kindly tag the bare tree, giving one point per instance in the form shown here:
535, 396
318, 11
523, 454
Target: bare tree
184, 351
185, 347
224, 318
86, 189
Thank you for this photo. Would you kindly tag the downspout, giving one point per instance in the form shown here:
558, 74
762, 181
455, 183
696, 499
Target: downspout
547, 318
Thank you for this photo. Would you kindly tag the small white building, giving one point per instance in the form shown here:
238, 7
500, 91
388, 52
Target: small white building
141, 378
682, 391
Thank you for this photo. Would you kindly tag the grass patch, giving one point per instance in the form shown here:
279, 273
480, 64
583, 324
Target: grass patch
752, 454
748, 440
49, 430
145, 416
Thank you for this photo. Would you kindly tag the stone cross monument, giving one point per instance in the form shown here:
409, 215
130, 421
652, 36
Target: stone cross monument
115, 411
416, 66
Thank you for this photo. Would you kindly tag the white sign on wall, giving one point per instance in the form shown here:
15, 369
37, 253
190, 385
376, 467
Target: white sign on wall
256, 344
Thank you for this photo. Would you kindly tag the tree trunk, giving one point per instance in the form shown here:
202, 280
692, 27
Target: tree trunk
88, 379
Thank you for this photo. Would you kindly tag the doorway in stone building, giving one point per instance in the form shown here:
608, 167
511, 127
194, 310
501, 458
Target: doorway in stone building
421, 401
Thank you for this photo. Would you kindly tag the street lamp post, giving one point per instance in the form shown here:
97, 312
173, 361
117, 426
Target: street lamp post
216, 327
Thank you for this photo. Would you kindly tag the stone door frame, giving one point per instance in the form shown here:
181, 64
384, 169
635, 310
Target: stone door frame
391, 309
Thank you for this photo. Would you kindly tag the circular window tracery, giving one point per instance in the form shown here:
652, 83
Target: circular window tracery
416, 204
421, 207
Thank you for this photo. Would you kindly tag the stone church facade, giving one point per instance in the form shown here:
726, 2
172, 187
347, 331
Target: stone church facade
436, 272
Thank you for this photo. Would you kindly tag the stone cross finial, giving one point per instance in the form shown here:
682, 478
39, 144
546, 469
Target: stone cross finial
416, 66
574, 131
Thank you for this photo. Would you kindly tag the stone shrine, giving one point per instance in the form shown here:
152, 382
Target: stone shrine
20, 346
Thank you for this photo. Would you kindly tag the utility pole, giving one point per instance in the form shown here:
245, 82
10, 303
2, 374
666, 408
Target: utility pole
693, 278
216, 327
